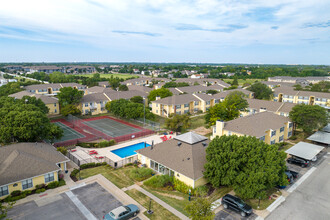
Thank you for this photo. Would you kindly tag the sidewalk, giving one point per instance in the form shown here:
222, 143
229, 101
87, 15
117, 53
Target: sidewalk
159, 201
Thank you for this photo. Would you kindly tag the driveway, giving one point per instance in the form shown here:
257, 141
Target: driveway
228, 214
310, 200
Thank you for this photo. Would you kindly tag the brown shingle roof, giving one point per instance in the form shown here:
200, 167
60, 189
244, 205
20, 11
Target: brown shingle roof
256, 124
125, 94
186, 159
45, 99
94, 97
25, 160
177, 99
140, 88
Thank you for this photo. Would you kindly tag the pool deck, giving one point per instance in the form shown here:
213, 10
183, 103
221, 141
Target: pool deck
83, 152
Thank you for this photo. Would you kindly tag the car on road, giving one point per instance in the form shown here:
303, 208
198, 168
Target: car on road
237, 204
298, 161
122, 212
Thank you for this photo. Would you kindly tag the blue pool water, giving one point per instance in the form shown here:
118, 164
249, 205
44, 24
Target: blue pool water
129, 150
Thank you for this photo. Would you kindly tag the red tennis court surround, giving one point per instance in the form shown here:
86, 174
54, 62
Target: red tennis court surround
92, 134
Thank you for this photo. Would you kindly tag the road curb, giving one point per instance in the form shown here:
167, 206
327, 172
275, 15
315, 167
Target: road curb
301, 180
276, 203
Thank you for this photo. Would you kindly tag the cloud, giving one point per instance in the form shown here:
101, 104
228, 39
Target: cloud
274, 27
317, 25
224, 28
137, 32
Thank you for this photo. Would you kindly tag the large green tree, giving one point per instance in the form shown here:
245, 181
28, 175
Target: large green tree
261, 91
309, 117
200, 209
178, 122
227, 110
20, 121
10, 88
247, 164
69, 95
70, 109
37, 102
162, 93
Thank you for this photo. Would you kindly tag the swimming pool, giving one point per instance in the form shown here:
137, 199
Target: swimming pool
129, 150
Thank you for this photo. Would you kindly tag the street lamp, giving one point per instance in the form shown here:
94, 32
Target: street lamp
117, 93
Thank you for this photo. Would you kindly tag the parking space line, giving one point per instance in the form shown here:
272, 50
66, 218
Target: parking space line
80, 206
301, 180
229, 214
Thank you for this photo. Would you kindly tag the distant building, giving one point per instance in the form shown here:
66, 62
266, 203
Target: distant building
52, 88
45, 69
299, 80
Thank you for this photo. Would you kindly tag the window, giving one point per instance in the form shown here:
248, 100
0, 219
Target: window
214, 129
275, 100
186, 105
208, 102
49, 177
55, 110
186, 111
156, 105
290, 124
90, 103
156, 111
86, 104
324, 100
216, 101
285, 96
27, 184
282, 114
229, 133
281, 129
281, 138
54, 104
178, 106
262, 138
272, 142
196, 103
273, 133
300, 97
4, 191
39, 90
306, 98
290, 134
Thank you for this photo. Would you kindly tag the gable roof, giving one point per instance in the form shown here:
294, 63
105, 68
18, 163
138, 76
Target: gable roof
94, 97
256, 124
25, 160
186, 159
45, 99
177, 99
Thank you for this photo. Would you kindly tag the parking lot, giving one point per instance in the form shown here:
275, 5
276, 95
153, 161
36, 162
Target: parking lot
96, 200
228, 214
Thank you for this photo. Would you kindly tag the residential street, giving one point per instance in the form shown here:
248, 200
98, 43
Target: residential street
311, 200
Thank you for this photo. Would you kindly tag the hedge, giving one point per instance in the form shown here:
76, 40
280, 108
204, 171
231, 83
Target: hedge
140, 174
98, 145
90, 165
160, 181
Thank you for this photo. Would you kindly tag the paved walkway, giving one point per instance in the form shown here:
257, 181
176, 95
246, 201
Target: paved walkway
159, 201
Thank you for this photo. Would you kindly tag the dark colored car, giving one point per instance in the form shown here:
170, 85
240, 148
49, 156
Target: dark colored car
298, 161
235, 203
122, 212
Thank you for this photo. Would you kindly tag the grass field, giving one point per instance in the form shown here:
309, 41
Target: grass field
197, 121
120, 75
242, 81
159, 211
119, 177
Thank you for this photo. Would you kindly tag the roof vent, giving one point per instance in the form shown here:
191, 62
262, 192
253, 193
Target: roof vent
204, 144
188, 158
179, 143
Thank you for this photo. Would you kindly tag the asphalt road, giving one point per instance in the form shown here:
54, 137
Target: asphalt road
311, 200
228, 214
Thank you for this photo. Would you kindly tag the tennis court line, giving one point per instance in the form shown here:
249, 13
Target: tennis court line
73, 134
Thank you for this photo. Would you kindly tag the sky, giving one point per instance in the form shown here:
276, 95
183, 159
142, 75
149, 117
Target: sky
201, 31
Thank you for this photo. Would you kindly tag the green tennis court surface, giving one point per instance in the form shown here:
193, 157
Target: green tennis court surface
110, 127
68, 133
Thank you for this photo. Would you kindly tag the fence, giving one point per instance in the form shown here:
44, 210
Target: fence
145, 123
115, 164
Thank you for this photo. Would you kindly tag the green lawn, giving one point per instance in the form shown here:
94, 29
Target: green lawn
242, 81
197, 122
218, 193
264, 203
119, 177
171, 198
120, 75
159, 211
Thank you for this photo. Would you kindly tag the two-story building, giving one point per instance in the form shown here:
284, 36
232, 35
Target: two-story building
53, 88
23, 166
266, 126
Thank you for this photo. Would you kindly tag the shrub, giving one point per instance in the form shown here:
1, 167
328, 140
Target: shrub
293, 137
90, 165
160, 181
40, 186
63, 150
61, 183
202, 190
140, 174
16, 193
40, 190
61, 176
28, 192
182, 187
53, 185
74, 172
98, 145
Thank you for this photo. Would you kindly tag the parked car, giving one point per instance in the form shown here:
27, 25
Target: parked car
298, 161
235, 203
122, 212
293, 173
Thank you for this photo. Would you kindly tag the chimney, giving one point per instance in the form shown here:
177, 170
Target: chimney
179, 144
219, 126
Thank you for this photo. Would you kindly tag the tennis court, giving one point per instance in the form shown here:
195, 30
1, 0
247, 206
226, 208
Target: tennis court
68, 133
111, 127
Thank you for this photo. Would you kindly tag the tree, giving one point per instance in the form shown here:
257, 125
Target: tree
235, 82
309, 117
37, 102
162, 93
69, 95
200, 209
123, 88
247, 164
137, 99
10, 88
70, 109
22, 122
4, 209
178, 122
63, 150
212, 92
227, 110
261, 91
